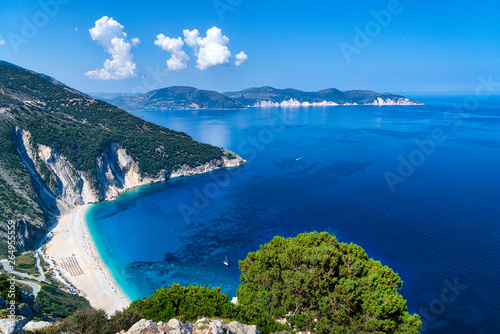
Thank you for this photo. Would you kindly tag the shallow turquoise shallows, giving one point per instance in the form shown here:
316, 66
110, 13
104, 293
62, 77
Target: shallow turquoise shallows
417, 187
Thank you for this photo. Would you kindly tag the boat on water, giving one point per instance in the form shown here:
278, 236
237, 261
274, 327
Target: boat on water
225, 262
300, 157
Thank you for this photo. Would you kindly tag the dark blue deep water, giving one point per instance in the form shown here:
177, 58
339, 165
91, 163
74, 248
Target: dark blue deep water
328, 169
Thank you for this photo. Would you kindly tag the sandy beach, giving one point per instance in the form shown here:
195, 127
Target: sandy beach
73, 255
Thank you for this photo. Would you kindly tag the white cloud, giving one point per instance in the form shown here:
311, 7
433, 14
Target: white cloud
135, 41
191, 39
178, 59
211, 50
109, 34
241, 58
2, 41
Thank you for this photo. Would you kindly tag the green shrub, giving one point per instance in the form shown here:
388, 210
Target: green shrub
91, 321
26, 263
322, 285
123, 320
52, 329
5, 290
52, 300
184, 303
86, 321
195, 302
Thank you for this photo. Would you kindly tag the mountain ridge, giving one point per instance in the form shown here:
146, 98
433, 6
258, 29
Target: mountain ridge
290, 97
175, 97
191, 98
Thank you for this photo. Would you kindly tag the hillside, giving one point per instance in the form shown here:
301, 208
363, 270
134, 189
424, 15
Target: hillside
188, 98
59, 148
176, 97
269, 96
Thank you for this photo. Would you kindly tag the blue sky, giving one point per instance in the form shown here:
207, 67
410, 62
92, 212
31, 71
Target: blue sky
421, 47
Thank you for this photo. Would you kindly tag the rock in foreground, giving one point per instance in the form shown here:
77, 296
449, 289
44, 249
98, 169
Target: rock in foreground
202, 326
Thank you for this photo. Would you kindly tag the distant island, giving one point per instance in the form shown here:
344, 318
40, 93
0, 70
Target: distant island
190, 98
176, 97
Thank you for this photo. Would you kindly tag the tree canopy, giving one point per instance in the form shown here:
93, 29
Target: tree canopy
317, 283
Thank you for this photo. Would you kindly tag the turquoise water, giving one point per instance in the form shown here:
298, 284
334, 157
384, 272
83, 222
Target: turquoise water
326, 169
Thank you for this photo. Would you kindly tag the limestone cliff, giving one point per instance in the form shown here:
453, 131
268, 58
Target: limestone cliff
59, 185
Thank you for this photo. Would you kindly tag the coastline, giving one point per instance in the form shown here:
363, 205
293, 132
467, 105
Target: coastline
75, 261
72, 254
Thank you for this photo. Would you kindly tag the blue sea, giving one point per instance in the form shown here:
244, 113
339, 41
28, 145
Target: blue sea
418, 187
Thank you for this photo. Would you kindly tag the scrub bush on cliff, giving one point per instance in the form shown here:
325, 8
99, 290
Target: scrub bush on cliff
194, 302
320, 284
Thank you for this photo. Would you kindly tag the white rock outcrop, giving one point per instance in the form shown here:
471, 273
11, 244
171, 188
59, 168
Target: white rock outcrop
236, 327
72, 185
141, 326
36, 325
202, 326
178, 327
117, 172
395, 102
293, 103
13, 326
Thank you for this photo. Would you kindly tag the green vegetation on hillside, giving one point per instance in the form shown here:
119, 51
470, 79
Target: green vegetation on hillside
80, 127
26, 263
52, 300
6, 292
6, 101
91, 321
319, 284
17, 198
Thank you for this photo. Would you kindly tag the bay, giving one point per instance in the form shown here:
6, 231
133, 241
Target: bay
327, 169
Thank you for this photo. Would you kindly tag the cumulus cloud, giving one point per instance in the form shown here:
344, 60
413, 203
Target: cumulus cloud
191, 39
2, 41
211, 50
178, 58
109, 34
241, 58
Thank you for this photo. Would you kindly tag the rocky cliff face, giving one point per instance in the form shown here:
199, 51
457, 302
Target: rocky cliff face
70, 185
62, 186
26, 233
117, 172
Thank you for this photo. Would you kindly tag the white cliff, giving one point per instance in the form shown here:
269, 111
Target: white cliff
293, 103
72, 186
395, 102
117, 172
